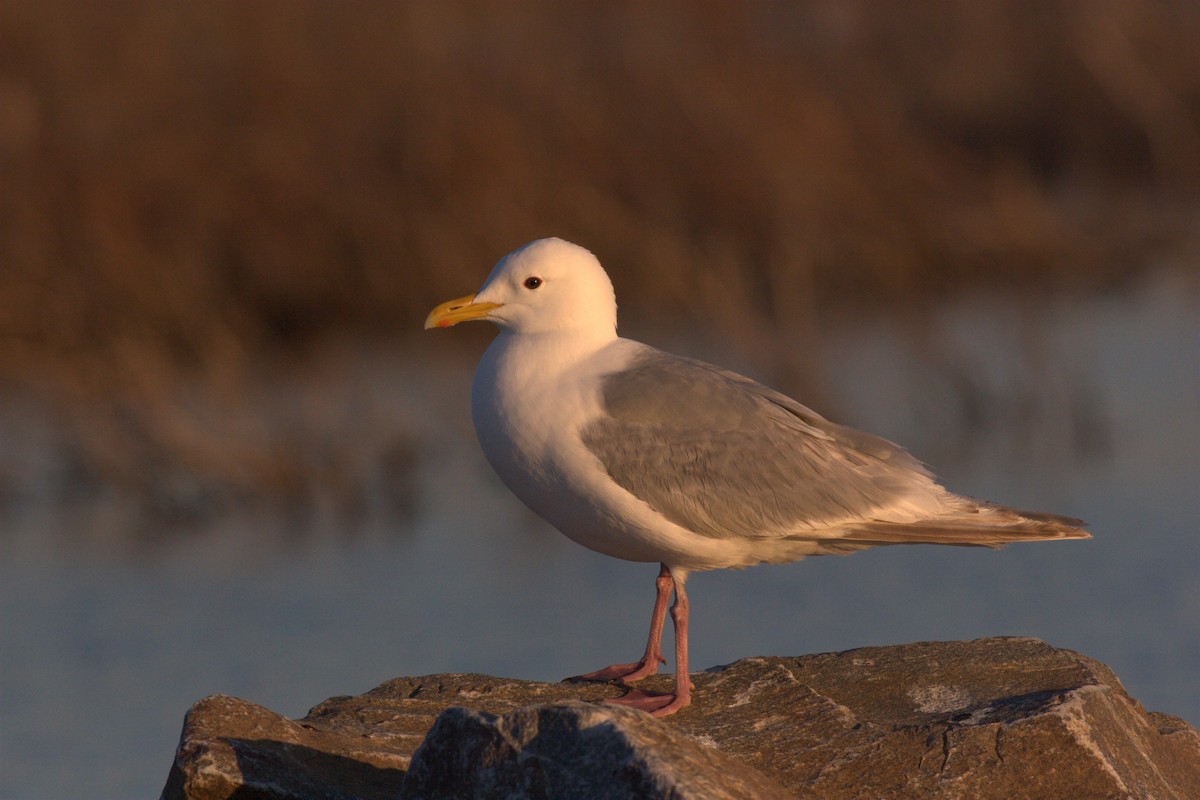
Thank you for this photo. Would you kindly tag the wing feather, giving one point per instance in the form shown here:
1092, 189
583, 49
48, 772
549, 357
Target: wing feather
724, 456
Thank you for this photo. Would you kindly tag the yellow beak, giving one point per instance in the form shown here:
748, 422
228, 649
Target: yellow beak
453, 312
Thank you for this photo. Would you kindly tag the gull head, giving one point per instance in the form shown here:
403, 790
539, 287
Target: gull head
549, 285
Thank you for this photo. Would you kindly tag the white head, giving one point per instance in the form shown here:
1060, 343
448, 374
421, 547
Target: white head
547, 285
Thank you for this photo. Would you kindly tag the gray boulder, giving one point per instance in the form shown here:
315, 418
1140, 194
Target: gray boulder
992, 718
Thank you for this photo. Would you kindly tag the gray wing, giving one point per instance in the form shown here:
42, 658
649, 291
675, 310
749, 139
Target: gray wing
724, 456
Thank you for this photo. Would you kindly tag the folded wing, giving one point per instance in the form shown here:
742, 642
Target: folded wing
724, 456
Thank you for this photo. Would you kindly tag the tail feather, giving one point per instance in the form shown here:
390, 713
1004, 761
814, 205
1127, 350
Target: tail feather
975, 525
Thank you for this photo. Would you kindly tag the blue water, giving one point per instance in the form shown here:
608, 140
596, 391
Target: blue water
107, 638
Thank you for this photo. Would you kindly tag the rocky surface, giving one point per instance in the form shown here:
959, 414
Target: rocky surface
574, 749
992, 718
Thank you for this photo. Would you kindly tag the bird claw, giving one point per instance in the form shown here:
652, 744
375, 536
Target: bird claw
625, 673
658, 705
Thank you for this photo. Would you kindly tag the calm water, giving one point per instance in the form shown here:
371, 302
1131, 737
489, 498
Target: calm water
105, 641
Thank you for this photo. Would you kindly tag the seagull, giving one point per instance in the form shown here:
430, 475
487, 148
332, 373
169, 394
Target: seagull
647, 456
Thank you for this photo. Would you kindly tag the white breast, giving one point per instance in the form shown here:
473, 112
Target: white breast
529, 400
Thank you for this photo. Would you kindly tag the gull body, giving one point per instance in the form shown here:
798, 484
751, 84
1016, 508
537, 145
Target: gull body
646, 456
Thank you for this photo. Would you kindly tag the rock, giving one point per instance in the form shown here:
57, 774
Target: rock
992, 718
232, 748
574, 750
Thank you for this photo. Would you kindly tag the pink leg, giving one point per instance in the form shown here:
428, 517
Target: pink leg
660, 705
628, 673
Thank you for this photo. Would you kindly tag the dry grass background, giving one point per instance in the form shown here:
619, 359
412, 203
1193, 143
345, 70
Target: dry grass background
193, 195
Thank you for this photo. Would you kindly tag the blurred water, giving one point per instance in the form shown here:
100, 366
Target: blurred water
104, 644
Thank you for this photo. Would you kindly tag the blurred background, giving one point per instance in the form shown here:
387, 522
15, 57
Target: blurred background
230, 462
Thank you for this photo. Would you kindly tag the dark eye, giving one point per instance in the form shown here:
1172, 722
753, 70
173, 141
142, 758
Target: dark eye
533, 283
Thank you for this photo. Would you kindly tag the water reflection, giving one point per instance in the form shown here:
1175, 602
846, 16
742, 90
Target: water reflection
102, 653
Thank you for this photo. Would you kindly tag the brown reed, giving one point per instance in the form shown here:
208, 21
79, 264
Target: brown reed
189, 191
